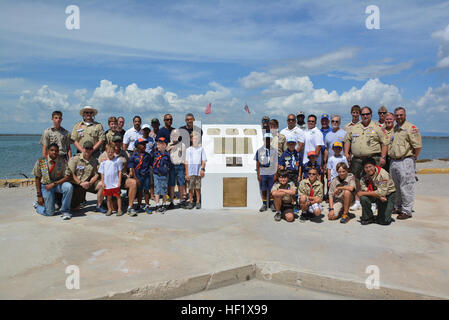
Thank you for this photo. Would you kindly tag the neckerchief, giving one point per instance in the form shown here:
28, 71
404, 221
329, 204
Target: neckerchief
140, 162
370, 184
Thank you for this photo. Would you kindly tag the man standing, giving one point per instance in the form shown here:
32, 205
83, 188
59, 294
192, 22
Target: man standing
189, 127
406, 144
364, 140
295, 132
265, 124
51, 178
336, 134
120, 125
166, 130
325, 129
279, 142
88, 130
313, 139
57, 134
382, 112
355, 113
300, 116
155, 124
132, 134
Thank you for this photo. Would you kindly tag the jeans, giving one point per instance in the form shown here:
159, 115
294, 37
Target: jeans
49, 198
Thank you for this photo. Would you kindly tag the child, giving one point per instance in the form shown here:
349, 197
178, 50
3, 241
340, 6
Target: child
195, 167
310, 193
291, 161
139, 165
111, 178
312, 163
161, 167
177, 150
284, 193
151, 144
266, 165
337, 148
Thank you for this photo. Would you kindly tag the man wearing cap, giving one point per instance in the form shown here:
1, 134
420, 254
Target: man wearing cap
279, 141
85, 178
265, 124
128, 183
294, 131
405, 147
364, 140
57, 134
313, 139
301, 124
88, 130
355, 113
166, 130
132, 134
266, 166
382, 112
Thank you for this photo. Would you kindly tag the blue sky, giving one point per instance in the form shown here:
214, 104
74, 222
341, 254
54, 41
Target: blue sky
153, 57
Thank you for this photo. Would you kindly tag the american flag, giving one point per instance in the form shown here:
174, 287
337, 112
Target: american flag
208, 108
246, 108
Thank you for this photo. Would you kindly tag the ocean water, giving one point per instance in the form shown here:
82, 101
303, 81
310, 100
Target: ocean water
19, 153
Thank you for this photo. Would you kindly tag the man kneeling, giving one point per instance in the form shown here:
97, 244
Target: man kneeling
310, 193
377, 187
284, 197
51, 179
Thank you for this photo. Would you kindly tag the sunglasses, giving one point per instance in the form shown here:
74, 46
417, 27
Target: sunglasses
88, 112
168, 119
311, 121
365, 114
335, 121
291, 119
381, 112
312, 174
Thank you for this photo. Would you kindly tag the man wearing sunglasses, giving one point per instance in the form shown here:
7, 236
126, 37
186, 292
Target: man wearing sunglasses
88, 130
166, 130
382, 112
294, 131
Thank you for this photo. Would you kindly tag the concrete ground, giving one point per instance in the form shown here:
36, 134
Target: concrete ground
117, 254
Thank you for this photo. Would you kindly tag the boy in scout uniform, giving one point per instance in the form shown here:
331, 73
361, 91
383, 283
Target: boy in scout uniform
83, 169
284, 192
88, 130
51, 178
279, 141
377, 187
310, 194
405, 146
57, 134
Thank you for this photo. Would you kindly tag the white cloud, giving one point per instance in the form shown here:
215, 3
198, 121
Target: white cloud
435, 100
443, 50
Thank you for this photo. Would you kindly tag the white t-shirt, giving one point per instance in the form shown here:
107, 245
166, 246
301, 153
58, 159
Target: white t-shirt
194, 157
332, 137
110, 170
312, 139
332, 164
131, 135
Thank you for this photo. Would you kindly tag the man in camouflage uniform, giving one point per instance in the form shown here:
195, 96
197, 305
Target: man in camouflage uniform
377, 187
57, 134
88, 130
83, 170
405, 146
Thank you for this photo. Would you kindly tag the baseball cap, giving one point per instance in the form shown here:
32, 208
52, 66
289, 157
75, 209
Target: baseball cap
155, 120
291, 139
325, 115
140, 141
161, 139
265, 118
88, 145
300, 113
268, 135
311, 153
337, 144
146, 126
117, 138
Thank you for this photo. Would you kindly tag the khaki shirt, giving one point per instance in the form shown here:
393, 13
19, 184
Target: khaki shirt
83, 169
122, 155
305, 186
380, 125
83, 132
287, 199
388, 133
382, 182
404, 140
349, 181
61, 137
108, 136
279, 142
58, 172
349, 125
365, 141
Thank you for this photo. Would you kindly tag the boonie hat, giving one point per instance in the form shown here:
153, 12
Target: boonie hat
86, 108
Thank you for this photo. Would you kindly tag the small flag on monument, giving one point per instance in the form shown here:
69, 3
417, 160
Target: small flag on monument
246, 108
208, 108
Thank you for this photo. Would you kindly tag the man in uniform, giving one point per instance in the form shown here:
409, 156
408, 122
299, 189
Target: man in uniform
405, 146
376, 187
364, 140
355, 113
382, 112
51, 178
88, 130
85, 178
57, 134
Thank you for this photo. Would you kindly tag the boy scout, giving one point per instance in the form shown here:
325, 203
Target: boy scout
405, 146
83, 169
310, 194
57, 134
88, 130
377, 187
284, 193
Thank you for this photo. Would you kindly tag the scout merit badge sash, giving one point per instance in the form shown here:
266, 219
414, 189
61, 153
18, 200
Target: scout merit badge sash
370, 181
45, 170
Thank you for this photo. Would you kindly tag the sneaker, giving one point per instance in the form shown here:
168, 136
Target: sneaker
100, 209
183, 205
198, 205
344, 219
171, 206
303, 217
139, 209
119, 213
189, 206
148, 209
277, 216
83, 204
108, 213
162, 209
35, 204
384, 223
66, 216
272, 207
132, 212
356, 206
263, 208
366, 222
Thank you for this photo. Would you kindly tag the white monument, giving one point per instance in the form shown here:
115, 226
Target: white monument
231, 179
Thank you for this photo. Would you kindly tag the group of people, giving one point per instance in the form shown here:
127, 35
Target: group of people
366, 164
136, 164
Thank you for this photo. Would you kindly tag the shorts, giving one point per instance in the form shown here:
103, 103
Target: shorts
160, 185
314, 207
144, 181
114, 192
194, 182
177, 175
266, 182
